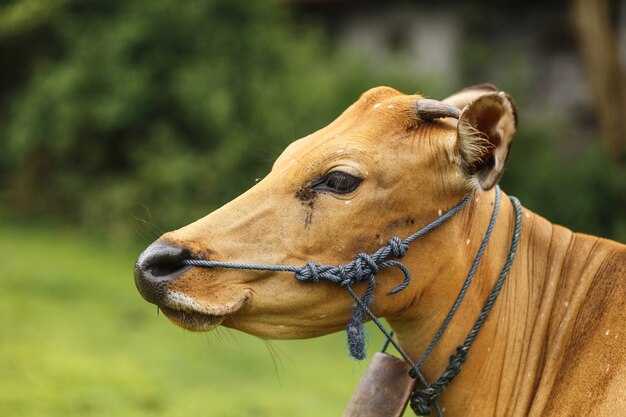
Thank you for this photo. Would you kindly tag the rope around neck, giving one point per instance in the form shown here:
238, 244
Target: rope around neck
364, 268
421, 400
468, 280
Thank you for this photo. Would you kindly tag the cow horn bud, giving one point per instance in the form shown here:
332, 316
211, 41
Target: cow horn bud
428, 109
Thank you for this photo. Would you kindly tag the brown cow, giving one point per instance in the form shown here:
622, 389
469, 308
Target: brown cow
554, 343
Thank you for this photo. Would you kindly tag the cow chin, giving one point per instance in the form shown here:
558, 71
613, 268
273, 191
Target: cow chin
192, 320
190, 314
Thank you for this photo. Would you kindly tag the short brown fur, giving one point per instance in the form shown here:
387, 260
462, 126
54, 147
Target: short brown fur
554, 342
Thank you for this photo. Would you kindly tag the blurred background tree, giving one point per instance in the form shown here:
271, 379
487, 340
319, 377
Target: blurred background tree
599, 44
109, 105
116, 112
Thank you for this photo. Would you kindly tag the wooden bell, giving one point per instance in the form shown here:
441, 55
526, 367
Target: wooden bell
384, 389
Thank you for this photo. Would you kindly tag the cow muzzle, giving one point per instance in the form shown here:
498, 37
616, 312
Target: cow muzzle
157, 267
156, 272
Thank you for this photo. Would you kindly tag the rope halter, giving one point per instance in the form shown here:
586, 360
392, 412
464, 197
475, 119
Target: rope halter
363, 268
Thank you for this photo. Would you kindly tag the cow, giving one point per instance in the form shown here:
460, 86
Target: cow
554, 343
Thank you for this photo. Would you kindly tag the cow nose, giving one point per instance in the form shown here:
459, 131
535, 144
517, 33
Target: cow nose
156, 267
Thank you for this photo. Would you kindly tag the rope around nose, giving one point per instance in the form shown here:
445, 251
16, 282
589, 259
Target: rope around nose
363, 268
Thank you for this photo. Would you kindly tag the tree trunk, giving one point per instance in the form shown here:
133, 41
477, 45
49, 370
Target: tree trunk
606, 77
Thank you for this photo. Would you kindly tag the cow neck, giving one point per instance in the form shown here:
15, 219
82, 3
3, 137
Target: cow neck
422, 399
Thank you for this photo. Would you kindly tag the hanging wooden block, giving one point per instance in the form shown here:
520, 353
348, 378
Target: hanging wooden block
384, 389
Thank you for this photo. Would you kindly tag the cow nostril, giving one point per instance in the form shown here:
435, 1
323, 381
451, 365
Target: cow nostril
164, 269
160, 264
161, 259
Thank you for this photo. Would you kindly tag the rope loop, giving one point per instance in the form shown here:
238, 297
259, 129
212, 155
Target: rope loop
422, 399
405, 271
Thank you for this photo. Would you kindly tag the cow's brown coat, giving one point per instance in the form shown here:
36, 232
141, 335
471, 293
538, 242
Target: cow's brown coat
554, 344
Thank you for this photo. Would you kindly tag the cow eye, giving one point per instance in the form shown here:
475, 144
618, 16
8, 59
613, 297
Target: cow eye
338, 182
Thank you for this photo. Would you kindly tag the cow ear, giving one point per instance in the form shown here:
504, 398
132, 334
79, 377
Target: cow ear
467, 95
484, 136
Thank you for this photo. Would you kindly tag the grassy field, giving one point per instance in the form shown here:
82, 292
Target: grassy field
76, 339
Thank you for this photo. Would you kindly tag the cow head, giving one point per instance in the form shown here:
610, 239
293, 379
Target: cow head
388, 165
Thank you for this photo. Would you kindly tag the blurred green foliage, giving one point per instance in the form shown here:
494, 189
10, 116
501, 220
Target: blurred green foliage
584, 191
118, 110
177, 106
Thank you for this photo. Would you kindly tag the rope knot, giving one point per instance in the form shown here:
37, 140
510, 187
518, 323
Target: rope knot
343, 276
398, 247
456, 360
308, 272
365, 267
421, 402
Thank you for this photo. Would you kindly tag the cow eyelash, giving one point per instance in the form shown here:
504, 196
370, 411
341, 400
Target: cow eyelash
338, 182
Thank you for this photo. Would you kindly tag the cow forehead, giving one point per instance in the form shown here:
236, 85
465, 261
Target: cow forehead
379, 113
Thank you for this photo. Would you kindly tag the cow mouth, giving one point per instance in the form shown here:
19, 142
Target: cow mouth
191, 319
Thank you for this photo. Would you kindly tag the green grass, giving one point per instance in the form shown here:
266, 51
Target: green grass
76, 339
